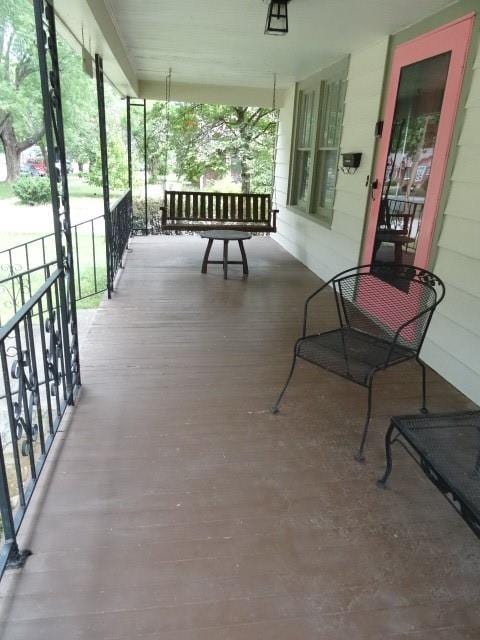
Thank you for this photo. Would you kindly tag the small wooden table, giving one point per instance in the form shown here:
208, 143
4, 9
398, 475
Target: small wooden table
226, 236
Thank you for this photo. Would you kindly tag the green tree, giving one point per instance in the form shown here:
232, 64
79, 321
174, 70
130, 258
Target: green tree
21, 114
204, 139
87, 139
21, 122
117, 170
156, 136
195, 145
204, 136
79, 104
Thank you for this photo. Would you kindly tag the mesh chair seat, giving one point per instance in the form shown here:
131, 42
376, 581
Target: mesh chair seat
349, 353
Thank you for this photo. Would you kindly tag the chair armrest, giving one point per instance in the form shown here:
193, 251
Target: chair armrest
403, 326
307, 302
326, 284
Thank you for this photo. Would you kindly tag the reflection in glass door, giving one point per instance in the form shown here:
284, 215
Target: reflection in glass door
422, 97
412, 145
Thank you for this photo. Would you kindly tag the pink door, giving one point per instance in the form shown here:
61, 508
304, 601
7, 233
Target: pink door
424, 89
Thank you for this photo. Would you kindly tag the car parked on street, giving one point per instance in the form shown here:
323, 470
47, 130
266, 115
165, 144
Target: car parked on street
28, 169
39, 166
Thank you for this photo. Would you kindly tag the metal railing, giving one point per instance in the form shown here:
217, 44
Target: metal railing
39, 350
22, 267
39, 381
16, 289
118, 228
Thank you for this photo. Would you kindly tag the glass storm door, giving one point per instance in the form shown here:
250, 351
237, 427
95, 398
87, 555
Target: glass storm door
424, 88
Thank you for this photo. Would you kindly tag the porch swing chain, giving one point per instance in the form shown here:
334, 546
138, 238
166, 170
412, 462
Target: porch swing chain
168, 84
274, 149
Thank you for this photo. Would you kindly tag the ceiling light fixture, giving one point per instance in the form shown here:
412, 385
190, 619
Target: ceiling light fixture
277, 18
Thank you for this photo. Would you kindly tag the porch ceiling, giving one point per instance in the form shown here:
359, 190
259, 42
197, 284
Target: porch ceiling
216, 48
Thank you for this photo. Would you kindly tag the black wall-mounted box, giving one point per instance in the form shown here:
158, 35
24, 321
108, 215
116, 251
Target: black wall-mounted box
351, 160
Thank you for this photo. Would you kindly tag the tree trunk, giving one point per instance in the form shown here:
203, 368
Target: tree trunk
13, 148
245, 175
12, 152
245, 161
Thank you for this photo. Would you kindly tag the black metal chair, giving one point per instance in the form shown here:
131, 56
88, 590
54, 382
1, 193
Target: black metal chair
383, 314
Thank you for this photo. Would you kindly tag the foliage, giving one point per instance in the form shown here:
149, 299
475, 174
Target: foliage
19, 80
153, 212
32, 190
196, 142
21, 117
156, 135
21, 123
203, 141
417, 138
206, 140
116, 145
260, 168
117, 168
79, 104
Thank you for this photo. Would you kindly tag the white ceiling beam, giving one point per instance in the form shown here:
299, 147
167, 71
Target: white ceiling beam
89, 22
212, 94
112, 37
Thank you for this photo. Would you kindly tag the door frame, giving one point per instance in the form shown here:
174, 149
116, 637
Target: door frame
454, 36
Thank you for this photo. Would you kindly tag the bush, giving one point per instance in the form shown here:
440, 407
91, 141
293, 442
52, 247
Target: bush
32, 190
117, 167
153, 213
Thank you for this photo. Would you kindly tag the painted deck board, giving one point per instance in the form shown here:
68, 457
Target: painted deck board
177, 507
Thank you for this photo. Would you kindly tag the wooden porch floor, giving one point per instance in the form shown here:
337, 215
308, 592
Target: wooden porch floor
175, 506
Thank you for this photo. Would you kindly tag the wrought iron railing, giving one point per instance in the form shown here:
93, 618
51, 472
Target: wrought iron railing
39, 351
119, 225
16, 289
40, 379
22, 267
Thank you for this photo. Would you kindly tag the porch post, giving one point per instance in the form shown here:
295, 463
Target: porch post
145, 162
57, 169
104, 158
129, 144
129, 159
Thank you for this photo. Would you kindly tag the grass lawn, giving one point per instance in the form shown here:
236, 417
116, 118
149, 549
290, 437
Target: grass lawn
90, 269
78, 188
5, 190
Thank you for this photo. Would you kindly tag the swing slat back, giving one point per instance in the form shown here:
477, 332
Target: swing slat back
199, 211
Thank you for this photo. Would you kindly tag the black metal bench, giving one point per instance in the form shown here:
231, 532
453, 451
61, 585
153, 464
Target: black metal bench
200, 211
447, 447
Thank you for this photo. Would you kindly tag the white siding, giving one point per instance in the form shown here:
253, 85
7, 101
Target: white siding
327, 251
453, 345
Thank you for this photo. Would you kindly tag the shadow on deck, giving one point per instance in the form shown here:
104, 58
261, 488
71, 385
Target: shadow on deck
176, 506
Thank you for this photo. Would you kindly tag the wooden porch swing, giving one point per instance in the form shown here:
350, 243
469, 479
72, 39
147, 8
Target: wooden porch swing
202, 211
